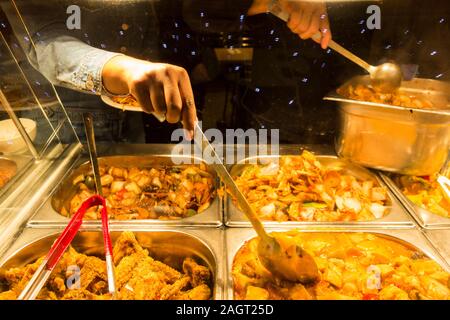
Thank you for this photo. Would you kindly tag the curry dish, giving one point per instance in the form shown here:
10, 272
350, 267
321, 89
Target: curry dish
138, 277
300, 188
165, 192
367, 93
424, 192
351, 265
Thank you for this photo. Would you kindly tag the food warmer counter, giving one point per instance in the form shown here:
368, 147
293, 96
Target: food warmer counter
32, 200
212, 244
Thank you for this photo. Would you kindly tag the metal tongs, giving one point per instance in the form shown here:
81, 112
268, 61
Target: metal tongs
58, 248
42, 274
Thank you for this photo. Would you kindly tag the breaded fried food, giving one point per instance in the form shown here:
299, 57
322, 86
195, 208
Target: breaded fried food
138, 277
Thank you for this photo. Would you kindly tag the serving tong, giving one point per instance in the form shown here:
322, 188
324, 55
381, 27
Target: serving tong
58, 248
90, 135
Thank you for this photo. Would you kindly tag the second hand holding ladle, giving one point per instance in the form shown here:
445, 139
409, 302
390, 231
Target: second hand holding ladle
386, 77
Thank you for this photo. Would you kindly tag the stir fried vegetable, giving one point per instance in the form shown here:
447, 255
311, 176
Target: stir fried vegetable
352, 266
302, 189
148, 193
425, 192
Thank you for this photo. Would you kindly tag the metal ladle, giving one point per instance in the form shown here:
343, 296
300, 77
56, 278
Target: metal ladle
280, 255
386, 77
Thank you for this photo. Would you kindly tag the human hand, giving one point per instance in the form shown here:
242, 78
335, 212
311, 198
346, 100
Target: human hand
160, 88
306, 18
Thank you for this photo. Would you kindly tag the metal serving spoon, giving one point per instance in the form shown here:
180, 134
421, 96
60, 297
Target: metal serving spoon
386, 77
284, 258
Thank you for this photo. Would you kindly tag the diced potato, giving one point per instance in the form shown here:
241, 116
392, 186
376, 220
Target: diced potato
256, 293
106, 180
391, 292
333, 275
299, 292
435, 289
425, 266
78, 179
385, 269
116, 186
133, 187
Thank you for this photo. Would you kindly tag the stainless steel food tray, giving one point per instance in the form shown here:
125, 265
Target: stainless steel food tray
204, 244
441, 241
236, 237
397, 216
396, 139
424, 218
48, 214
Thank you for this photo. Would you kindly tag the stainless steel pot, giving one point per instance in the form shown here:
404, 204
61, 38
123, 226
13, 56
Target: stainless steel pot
396, 139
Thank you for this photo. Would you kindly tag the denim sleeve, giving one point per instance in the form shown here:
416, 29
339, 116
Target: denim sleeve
66, 61
57, 53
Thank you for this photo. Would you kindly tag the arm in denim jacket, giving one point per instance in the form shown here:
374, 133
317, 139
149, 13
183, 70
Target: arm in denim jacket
58, 53
68, 62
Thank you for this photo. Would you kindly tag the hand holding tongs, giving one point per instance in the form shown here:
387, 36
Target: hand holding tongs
42, 274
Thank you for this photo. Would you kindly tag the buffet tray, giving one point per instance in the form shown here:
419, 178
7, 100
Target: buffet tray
205, 244
397, 216
424, 218
48, 214
236, 237
441, 241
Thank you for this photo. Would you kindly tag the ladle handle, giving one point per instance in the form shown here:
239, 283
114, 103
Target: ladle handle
344, 52
277, 11
222, 172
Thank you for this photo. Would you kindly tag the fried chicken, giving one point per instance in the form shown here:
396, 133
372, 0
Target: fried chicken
138, 276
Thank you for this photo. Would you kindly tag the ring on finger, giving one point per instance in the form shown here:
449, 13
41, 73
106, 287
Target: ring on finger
190, 103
